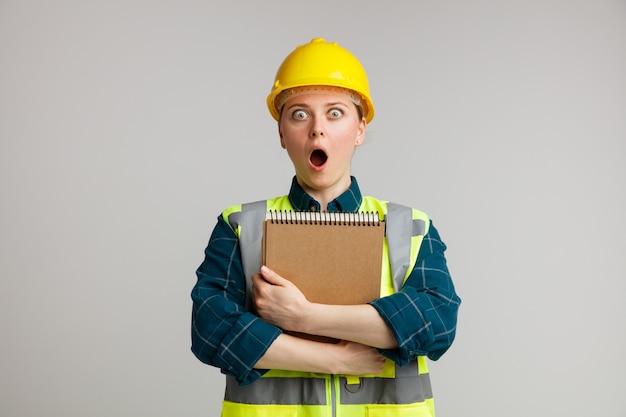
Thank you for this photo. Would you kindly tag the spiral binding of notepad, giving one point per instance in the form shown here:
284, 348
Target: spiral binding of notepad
324, 218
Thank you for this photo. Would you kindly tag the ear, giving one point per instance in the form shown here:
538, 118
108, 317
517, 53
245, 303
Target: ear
360, 133
282, 141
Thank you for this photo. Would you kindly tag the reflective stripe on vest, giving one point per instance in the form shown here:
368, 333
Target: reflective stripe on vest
399, 240
409, 386
250, 220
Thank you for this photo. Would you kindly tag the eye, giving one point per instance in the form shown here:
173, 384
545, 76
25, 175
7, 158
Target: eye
335, 113
299, 115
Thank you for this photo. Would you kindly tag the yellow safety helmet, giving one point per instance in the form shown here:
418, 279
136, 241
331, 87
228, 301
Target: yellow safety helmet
321, 63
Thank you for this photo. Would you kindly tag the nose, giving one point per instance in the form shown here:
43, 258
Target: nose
317, 133
317, 129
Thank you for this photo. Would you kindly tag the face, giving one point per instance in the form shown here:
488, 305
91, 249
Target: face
320, 131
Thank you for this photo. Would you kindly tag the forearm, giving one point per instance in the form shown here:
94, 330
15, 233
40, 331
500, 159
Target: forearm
292, 353
357, 323
280, 303
295, 354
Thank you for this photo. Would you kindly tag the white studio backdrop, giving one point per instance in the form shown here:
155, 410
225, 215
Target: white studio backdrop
127, 126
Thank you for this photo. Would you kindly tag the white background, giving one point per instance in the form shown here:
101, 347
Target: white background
127, 126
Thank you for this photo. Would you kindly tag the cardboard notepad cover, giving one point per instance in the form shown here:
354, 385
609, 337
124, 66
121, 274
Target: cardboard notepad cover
330, 263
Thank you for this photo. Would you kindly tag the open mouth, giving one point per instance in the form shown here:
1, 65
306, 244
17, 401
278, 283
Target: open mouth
318, 158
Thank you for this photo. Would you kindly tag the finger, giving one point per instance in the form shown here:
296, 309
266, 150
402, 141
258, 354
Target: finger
258, 283
257, 279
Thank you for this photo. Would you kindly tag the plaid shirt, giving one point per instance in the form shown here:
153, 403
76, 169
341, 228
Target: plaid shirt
422, 315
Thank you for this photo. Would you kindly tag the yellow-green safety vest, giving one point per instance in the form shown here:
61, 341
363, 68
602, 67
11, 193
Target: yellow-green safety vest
395, 392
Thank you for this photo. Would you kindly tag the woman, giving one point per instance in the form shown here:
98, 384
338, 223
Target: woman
321, 101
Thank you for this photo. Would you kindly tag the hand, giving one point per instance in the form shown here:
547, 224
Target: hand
277, 300
358, 359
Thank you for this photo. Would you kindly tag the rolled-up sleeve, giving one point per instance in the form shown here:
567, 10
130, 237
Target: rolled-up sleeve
423, 314
223, 333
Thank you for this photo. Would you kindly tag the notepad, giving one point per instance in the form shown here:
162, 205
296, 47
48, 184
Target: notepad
333, 258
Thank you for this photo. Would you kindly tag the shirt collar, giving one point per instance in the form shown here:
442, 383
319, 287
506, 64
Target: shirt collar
349, 201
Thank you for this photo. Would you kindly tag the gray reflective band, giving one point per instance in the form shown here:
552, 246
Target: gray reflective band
407, 387
285, 391
399, 239
251, 221
407, 390
419, 227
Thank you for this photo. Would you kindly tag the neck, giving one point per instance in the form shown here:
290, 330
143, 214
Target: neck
326, 195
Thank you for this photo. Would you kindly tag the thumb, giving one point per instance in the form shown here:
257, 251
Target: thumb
272, 277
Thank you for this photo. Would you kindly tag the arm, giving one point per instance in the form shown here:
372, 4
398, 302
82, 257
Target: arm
423, 314
223, 333
281, 303
296, 354
418, 320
